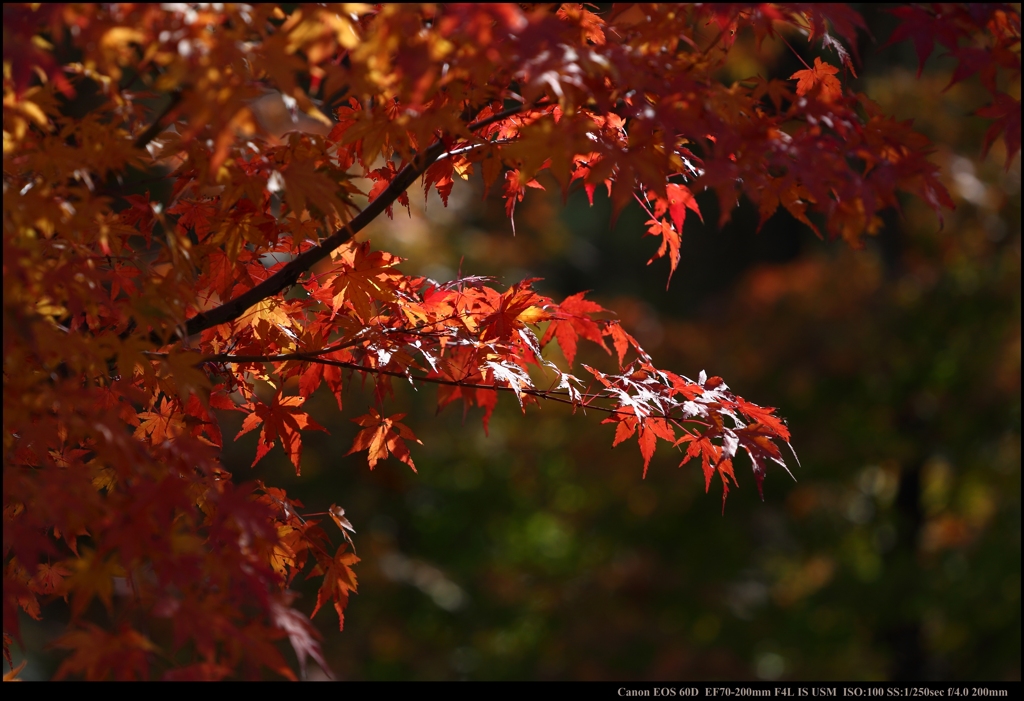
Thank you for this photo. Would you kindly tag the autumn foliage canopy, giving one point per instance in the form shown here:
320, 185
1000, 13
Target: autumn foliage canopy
269, 139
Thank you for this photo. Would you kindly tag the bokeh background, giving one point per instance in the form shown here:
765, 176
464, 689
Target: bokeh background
539, 552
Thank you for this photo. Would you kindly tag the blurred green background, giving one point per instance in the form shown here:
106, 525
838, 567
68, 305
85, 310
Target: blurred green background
539, 552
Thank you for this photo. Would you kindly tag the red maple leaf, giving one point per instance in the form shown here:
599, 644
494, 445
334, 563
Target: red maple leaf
651, 429
440, 175
515, 190
702, 447
571, 321
678, 199
519, 305
382, 178
1006, 111
923, 28
765, 416
282, 419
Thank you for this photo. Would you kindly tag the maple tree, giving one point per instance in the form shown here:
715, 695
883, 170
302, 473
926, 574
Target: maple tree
235, 283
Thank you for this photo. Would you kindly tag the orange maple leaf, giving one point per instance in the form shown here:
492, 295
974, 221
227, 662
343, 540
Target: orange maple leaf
49, 579
281, 419
571, 321
160, 425
98, 654
383, 437
821, 77
369, 278
339, 582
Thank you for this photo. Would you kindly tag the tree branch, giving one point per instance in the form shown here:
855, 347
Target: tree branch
550, 394
157, 125
290, 273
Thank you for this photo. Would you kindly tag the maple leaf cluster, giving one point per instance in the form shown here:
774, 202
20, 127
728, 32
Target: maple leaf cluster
234, 281
984, 40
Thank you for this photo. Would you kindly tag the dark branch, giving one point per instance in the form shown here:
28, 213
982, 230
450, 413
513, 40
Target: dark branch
504, 114
290, 273
157, 126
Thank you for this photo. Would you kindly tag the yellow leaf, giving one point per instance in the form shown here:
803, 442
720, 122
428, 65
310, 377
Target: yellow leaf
12, 676
533, 315
93, 577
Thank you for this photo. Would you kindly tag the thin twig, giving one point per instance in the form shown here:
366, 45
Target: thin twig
551, 395
795, 53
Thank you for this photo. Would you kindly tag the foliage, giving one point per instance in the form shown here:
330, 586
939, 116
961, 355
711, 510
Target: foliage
895, 555
234, 279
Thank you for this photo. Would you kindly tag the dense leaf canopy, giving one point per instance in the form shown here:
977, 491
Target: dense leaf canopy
183, 189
